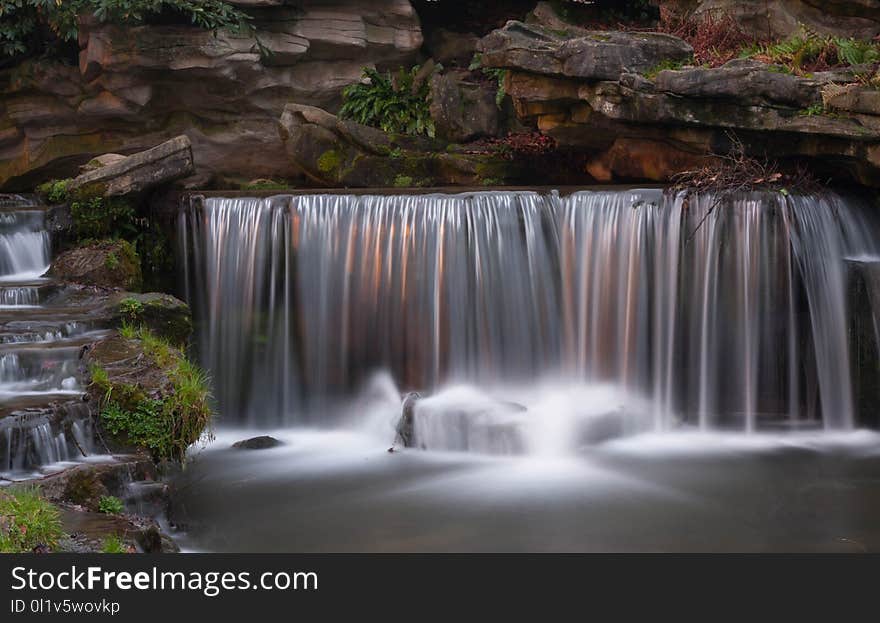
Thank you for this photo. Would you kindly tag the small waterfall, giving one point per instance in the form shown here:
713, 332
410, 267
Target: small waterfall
25, 244
717, 312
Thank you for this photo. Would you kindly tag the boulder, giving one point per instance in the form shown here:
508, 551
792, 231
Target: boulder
452, 48
107, 264
140, 172
462, 110
165, 315
336, 152
405, 428
263, 442
594, 55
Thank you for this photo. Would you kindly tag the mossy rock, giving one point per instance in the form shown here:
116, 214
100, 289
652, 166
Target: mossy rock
108, 264
166, 316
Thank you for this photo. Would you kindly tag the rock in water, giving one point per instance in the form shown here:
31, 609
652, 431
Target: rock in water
406, 424
264, 442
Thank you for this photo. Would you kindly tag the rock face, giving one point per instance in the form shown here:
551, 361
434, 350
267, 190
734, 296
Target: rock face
138, 86
462, 110
170, 161
647, 124
336, 152
107, 264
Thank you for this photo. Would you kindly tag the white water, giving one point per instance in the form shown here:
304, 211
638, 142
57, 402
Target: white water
626, 306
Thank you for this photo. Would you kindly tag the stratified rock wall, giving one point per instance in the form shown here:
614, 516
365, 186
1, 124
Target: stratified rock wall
138, 86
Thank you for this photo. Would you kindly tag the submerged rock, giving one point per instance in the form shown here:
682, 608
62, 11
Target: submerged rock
406, 425
263, 442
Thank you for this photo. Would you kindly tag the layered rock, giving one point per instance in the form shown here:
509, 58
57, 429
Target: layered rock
115, 175
138, 86
106, 264
636, 122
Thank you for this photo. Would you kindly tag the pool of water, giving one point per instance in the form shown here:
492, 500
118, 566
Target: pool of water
342, 491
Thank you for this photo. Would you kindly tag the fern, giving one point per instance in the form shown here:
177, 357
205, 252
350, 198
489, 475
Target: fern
396, 103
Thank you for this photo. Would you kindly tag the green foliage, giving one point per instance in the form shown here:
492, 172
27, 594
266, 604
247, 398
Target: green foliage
815, 109
110, 505
403, 181
131, 309
498, 75
27, 520
663, 66
166, 425
329, 161
103, 217
807, 48
397, 103
55, 191
111, 261
113, 545
24, 24
265, 184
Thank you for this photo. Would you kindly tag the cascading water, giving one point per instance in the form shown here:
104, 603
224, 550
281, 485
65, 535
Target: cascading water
714, 312
42, 419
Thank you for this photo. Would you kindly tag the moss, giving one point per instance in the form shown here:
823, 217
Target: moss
403, 181
83, 487
329, 161
664, 65
165, 423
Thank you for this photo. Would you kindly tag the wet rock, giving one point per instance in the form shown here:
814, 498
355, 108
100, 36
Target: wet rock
135, 174
264, 442
406, 425
108, 264
84, 487
463, 111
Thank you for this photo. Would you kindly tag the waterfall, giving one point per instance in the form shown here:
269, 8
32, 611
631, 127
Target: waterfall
720, 312
25, 245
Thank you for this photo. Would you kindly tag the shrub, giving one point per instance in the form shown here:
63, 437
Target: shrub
55, 191
31, 25
398, 103
100, 217
110, 505
27, 520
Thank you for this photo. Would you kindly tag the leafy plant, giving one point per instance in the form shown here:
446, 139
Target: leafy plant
815, 109
110, 505
131, 309
27, 520
55, 191
807, 49
114, 545
397, 103
25, 24
495, 73
100, 217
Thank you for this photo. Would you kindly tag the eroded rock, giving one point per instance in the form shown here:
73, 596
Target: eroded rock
170, 161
